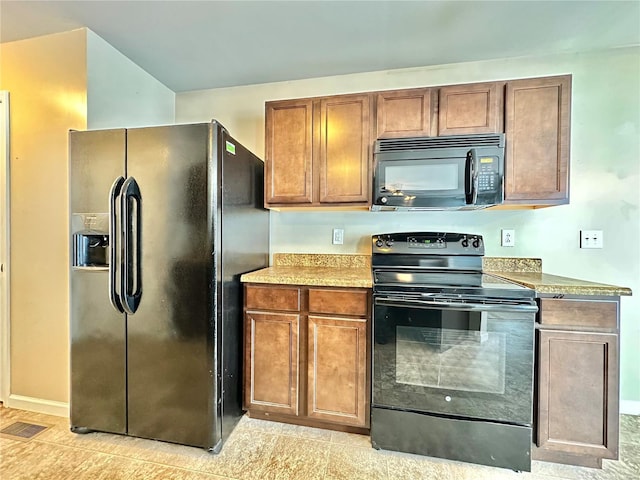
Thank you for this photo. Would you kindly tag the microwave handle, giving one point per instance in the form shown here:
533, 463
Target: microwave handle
471, 177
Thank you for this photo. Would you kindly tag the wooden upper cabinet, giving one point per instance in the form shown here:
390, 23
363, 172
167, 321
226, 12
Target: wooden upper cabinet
317, 151
344, 151
406, 113
288, 152
472, 108
537, 127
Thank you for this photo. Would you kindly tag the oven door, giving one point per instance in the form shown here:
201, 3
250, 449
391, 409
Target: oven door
454, 358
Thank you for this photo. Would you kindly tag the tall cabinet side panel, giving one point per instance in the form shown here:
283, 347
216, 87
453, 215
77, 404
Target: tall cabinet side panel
98, 343
170, 363
244, 247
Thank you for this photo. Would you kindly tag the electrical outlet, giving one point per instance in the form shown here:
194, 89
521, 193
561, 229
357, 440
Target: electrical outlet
591, 239
338, 236
508, 238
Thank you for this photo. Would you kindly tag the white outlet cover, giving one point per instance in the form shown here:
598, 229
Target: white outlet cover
508, 238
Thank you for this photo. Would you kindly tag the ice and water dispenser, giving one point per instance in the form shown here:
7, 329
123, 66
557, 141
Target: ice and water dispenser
90, 240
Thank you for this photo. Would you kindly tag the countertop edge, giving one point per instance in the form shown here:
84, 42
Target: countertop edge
358, 277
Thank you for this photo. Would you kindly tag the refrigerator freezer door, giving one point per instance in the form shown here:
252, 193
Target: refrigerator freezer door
98, 371
171, 369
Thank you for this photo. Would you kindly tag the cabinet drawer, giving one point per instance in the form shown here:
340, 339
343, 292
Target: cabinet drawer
272, 298
580, 313
345, 302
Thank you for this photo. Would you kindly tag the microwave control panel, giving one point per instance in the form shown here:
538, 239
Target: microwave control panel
488, 175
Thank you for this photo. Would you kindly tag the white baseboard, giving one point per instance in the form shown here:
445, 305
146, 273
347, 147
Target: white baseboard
50, 407
630, 407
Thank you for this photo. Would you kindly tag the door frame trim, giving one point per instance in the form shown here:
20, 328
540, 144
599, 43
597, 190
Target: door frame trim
5, 313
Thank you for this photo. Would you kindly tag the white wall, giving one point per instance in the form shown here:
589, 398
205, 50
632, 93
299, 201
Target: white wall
605, 175
71, 80
46, 80
120, 93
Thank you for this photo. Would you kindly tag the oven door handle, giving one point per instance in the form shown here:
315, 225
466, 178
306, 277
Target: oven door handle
469, 307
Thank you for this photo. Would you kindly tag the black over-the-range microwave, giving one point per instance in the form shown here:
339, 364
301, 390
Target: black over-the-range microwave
436, 173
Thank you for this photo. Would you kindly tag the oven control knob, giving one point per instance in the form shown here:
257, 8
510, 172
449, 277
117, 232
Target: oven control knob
389, 242
447, 398
465, 242
379, 243
476, 242
384, 200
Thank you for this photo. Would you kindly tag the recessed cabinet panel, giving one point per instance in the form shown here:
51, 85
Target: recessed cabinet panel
336, 369
579, 313
269, 297
271, 362
288, 153
472, 108
406, 113
578, 392
537, 116
345, 302
344, 149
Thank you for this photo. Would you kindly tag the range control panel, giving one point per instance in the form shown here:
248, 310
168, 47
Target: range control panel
428, 243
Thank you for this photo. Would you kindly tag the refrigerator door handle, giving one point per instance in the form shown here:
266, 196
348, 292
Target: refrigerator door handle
115, 239
132, 270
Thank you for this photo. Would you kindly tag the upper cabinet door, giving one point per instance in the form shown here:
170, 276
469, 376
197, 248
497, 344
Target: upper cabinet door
344, 151
288, 152
473, 108
537, 117
406, 113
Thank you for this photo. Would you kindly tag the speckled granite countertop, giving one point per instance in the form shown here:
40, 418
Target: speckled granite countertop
324, 270
528, 272
329, 270
556, 285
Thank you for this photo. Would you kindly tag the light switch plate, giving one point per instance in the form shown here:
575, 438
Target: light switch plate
591, 239
338, 236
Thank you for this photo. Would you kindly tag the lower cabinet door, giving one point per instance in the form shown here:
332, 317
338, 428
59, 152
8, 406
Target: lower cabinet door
271, 362
578, 392
337, 366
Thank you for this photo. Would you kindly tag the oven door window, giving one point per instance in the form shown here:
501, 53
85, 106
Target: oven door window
475, 364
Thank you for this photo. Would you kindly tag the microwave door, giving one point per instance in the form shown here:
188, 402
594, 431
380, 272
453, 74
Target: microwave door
421, 183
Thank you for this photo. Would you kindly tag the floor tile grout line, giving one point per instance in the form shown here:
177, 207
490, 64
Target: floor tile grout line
325, 473
282, 434
117, 455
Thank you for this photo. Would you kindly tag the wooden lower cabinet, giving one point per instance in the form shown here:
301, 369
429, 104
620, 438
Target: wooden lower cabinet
577, 404
336, 375
306, 355
271, 361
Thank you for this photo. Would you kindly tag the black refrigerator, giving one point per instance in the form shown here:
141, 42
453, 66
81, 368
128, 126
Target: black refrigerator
163, 221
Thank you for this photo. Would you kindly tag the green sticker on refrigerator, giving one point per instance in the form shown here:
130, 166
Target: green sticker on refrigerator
231, 148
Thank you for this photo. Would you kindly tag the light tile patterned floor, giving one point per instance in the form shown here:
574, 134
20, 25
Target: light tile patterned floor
262, 450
